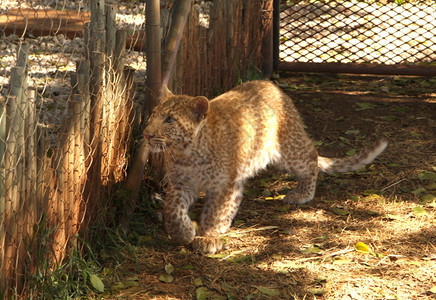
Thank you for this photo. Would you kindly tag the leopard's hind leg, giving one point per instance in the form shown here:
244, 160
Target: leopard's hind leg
303, 163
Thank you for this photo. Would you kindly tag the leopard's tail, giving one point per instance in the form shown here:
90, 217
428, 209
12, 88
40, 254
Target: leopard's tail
354, 162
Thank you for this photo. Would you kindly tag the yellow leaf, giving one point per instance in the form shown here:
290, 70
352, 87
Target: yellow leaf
362, 247
196, 225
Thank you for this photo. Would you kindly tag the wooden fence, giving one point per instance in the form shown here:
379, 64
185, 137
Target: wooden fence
220, 46
58, 188
52, 184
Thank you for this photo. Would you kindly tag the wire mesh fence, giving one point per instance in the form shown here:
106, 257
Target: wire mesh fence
66, 119
350, 31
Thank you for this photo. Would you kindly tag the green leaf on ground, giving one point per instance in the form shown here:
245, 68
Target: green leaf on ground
431, 186
419, 211
226, 287
373, 197
267, 193
393, 217
415, 134
311, 250
424, 175
284, 208
364, 106
418, 191
341, 211
393, 165
262, 183
169, 268
202, 293
268, 291
399, 109
198, 281
351, 152
429, 198
355, 131
341, 260
97, 283
166, 278
192, 215
187, 267
238, 222
122, 285
388, 118
251, 192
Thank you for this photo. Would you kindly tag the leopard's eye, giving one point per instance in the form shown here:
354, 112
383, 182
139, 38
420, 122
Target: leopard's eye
169, 120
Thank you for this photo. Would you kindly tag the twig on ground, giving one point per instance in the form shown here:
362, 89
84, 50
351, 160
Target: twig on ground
387, 256
243, 231
392, 184
233, 253
323, 257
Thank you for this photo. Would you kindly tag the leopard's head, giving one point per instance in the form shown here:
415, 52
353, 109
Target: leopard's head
175, 121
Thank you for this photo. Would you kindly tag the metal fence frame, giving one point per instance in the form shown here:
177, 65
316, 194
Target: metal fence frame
370, 67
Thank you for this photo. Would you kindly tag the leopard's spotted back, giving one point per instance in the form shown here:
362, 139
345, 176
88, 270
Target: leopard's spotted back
214, 146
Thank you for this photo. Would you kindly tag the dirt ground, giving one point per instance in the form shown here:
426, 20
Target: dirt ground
366, 235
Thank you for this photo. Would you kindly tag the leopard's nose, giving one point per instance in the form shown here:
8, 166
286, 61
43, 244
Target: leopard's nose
149, 136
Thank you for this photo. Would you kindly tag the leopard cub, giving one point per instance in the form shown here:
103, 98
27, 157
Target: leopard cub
215, 146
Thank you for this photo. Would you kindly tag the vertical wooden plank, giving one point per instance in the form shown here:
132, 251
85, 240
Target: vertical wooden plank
108, 105
43, 174
69, 168
3, 135
9, 212
83, 87
129, 112
92, 189
153, 54
120, 50
14, 168
110, 30
117, 108
31, 202
172, 42
78, 162
21, 202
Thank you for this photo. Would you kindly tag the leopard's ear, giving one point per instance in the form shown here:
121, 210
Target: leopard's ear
165, 92
199, 106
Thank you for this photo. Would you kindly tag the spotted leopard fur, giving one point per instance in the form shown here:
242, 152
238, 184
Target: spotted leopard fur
214, 146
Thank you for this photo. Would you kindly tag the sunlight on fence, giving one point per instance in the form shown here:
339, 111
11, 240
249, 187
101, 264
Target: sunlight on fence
65, 131
358, 32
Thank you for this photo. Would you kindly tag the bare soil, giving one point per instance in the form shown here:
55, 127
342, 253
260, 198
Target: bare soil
277, 251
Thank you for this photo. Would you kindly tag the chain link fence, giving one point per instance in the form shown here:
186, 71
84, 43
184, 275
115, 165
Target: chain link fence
361, 32
66, 119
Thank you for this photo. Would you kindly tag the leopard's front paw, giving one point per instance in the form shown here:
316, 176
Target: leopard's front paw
207, 244
294, 197
182, 233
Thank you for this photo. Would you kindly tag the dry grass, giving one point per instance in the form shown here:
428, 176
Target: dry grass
308, 252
